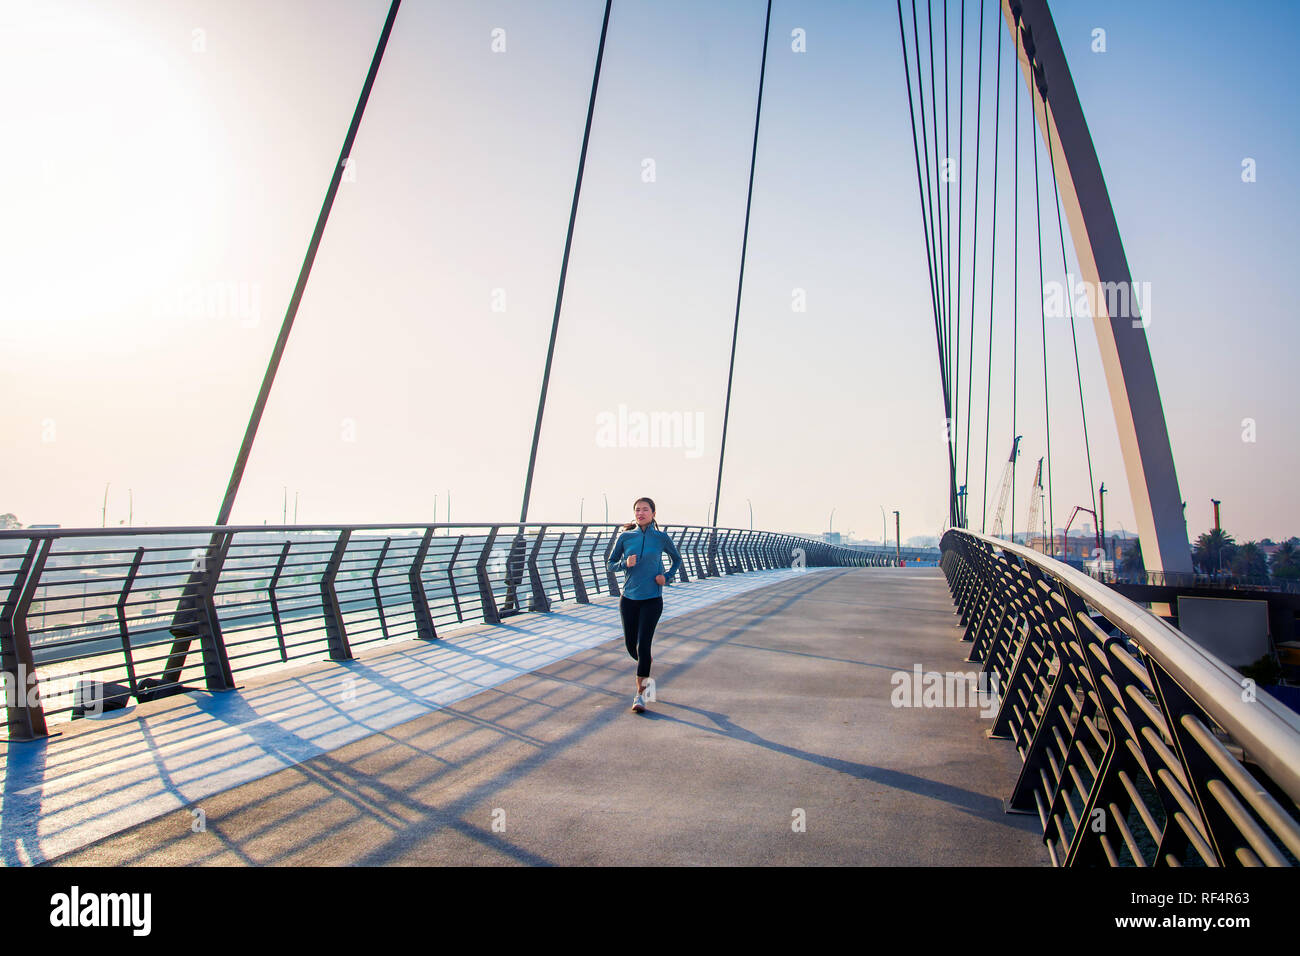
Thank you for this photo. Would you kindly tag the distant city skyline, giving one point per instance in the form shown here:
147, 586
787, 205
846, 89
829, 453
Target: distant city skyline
171, 158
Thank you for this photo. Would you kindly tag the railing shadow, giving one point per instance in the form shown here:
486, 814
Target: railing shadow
184, 749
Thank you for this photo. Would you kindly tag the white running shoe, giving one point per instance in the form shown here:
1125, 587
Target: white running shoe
638, 704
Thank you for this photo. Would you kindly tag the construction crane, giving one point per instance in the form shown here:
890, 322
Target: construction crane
1004, 488
1078, 510
1036, 509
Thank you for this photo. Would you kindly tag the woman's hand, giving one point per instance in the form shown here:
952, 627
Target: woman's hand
660, 580
631, 560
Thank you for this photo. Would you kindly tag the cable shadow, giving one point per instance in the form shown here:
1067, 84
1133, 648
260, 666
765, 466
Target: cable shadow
330, 784
343, 782
977, 804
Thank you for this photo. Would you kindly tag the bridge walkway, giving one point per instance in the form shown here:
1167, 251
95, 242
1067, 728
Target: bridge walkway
774, 708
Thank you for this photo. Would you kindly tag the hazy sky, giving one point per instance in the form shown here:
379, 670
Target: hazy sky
165, 162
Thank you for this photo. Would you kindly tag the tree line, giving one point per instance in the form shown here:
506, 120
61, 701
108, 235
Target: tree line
1218, 553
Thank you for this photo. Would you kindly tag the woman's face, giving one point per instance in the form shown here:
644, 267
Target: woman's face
643, 513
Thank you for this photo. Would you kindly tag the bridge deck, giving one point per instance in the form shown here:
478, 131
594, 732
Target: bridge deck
772, 699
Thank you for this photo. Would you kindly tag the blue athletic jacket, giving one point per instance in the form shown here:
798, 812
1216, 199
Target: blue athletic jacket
649, 546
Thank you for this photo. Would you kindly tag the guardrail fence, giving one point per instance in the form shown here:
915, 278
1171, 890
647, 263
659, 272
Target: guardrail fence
90, 618
1139, 748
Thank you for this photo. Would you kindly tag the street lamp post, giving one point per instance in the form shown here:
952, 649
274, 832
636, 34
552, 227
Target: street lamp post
103, 515
1101, 518
884, 529
751, 514
898, 541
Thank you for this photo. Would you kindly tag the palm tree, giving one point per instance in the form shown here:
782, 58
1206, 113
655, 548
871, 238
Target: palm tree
1213, 550
1249, 562
1286, 561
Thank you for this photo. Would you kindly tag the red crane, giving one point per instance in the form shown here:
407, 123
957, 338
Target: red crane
1065, 537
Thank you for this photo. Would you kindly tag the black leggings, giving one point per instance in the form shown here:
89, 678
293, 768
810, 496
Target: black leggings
639, 620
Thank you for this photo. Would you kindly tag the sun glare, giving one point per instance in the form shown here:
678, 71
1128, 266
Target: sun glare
110, 198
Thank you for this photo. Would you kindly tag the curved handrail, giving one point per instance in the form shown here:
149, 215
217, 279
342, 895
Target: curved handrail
1265, 727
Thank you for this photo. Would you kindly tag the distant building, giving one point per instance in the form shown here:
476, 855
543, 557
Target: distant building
831, 537
1080, 546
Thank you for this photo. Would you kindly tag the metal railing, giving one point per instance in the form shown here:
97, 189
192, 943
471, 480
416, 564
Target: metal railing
909, 555
94, 617
1139, 748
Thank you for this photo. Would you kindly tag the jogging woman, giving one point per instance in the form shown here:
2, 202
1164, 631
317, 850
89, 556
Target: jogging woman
640, 553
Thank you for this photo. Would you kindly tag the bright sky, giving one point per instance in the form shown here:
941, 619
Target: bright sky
165, 163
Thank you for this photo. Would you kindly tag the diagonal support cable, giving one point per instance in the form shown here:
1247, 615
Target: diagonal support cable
740, 283
931, 256
190, 619
259, 406
958, 428
1074, 338
1047, 408
936, 251
1015, 276
974, 252
993, 261
564, 268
